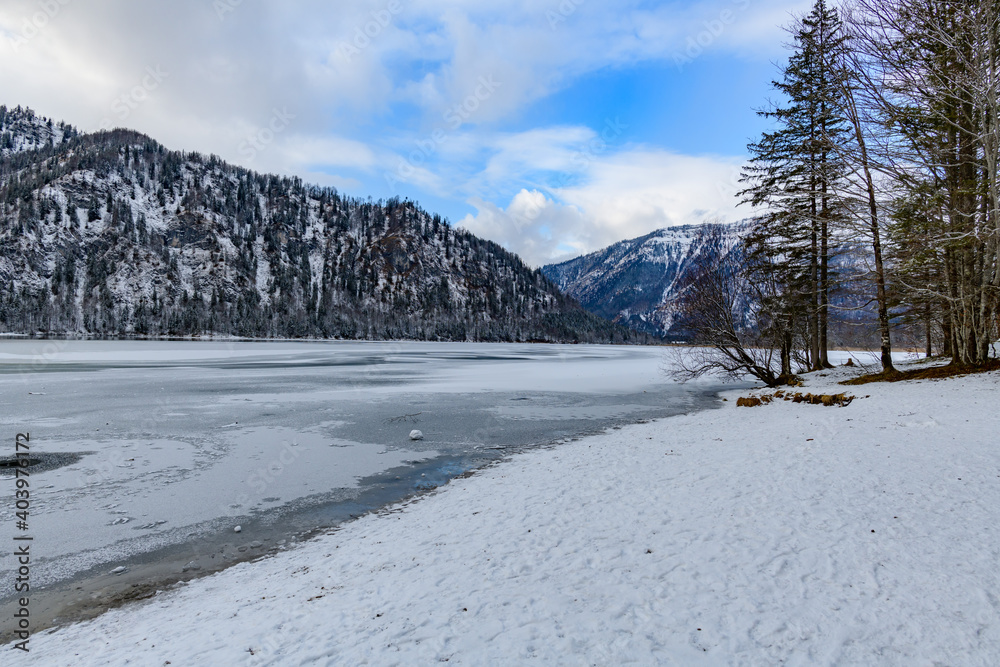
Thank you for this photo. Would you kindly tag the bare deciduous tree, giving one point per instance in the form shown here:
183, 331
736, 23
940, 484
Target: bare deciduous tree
933, 74
730, 332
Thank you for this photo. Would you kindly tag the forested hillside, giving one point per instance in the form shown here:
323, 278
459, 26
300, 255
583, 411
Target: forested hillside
111, 234
23, 130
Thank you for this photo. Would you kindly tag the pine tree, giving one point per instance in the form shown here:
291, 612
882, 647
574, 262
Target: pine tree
792, 175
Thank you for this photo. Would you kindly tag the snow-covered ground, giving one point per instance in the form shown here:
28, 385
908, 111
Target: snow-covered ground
784, 534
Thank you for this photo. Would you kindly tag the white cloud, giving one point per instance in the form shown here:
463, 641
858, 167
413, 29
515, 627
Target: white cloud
361, 112
261, 55
532, 225
624, 195
329, 151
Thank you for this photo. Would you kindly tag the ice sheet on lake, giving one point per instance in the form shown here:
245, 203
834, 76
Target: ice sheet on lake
180, 436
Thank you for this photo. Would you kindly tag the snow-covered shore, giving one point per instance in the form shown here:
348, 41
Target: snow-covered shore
783, 534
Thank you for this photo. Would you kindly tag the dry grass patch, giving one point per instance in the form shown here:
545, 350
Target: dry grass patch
829, 400
932, 373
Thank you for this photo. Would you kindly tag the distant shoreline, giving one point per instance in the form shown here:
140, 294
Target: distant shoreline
220, 338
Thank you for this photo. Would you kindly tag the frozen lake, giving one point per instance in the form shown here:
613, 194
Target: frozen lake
148, 449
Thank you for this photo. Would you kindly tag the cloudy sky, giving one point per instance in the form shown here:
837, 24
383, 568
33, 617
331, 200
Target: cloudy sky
554, 127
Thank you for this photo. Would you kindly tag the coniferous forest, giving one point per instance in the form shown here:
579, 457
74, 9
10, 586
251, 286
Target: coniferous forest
111, 234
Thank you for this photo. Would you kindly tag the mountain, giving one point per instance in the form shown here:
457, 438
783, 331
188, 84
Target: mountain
635, 283
632, 282
21, 130
111, 234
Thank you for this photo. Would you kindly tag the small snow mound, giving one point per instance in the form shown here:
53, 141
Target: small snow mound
416, 435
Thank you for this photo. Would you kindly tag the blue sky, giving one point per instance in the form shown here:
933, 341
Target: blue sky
553, 127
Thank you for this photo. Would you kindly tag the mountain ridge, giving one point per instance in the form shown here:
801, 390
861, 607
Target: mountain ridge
633, 282
112, 234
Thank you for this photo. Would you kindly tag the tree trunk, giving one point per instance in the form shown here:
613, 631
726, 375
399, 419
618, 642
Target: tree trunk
881, 298
929, 349
813, 313
824, 285
786, 353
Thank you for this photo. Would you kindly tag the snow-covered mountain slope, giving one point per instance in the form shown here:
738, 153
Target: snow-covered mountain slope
636, 282
22, 130
633, 282
112, 234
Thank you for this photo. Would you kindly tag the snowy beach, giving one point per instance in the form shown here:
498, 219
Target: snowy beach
149, 453
783, 534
